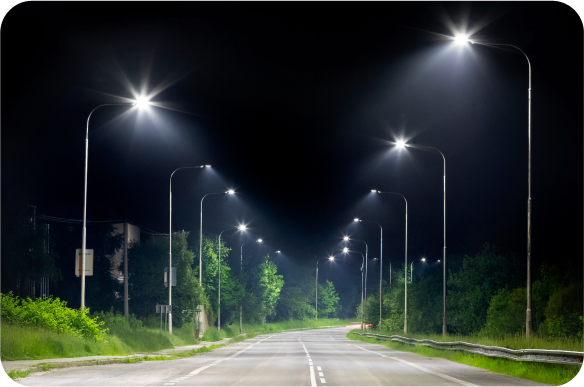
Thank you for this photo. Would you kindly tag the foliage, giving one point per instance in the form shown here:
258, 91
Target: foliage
146, 278
328, 300
472, 287
264, 290
295, 303
506, 313
51, 314
564, 312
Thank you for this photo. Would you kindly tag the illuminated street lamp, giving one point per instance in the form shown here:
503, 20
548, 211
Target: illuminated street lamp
412, 268
229, 192
141, 102
169, 251
401, 144
259, 240
346, 251
364, 298
380, 263
278, 252
463, 39
240, 228
331, 258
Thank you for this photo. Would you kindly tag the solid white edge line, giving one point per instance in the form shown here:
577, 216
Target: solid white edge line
435, 373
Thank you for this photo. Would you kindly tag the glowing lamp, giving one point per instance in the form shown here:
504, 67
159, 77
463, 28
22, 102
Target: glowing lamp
374, 190
356, 220
345, 249
260, 240
243, 227
230, 192
141, 102
331, 258
346, 238
400, 144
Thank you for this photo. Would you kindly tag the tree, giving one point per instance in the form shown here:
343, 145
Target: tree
564, 312
264, 291
506, 313
146, 284
328, 300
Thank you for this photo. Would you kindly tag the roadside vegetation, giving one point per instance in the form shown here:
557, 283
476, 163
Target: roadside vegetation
555, 374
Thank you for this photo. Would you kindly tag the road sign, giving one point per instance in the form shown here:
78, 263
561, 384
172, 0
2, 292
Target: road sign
163, 308
88, 262
166, 276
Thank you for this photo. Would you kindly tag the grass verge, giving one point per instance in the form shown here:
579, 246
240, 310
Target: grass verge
555, 374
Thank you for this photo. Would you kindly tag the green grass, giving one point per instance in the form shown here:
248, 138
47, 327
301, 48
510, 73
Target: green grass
27, 343
512, 341
197, 351
555, 374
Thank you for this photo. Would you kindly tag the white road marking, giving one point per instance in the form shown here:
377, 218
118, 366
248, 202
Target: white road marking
435, 373
312, 378
319, 368
322, 380
320, 374
377, 353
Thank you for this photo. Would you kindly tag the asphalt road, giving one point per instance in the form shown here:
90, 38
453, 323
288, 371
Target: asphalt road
323, 357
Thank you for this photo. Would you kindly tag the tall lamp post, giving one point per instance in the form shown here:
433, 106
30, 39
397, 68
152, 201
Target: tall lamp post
401, 144
412, 268
169, 248
259, 240
380, 262
331, 258
462, 40
347, 251
230, 192
406, 260
240, 228
140, 103
364, 296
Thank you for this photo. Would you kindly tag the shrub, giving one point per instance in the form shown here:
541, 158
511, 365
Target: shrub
564, 312
52, 314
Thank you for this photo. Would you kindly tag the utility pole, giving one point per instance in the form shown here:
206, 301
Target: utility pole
126, 306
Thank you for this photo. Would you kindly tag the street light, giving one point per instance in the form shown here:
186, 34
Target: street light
278, 252
140, 103
528, 327
230, 192
380, 262
412, 268
259, 240
330, 258
346, 251
402, 144
346, 238
240, 228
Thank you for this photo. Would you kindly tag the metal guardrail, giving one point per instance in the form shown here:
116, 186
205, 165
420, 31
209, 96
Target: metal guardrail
536, 355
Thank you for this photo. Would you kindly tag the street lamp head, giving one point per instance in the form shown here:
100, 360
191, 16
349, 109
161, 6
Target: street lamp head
401, 144
243, 227
331, 258
374, 191
462, 39
278, 252
260, 240
346, 238
438, 261
230, 192
423, 259
141, 102
208, 166
356, 220
345, 250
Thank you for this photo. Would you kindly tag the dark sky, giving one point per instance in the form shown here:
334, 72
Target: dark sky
291, 104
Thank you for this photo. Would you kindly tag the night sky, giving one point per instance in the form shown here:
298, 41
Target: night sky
293, 105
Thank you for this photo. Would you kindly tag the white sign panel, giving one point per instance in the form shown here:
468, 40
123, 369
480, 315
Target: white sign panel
88, 262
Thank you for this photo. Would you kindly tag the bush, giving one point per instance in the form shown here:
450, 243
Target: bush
506, 313
51, 314
564, 312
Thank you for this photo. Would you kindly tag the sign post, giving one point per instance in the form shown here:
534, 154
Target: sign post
88, 262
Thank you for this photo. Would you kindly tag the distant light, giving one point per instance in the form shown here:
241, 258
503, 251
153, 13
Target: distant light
423, 259
243, 227
374, 190
346, 238
208, 166
141, 102
331, 258
260, 240
230, 192
400, 144
278, 252
461, 39
345, 249
356, 220
438, 261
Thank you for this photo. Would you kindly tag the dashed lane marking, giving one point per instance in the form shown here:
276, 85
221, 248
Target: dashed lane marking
322, 380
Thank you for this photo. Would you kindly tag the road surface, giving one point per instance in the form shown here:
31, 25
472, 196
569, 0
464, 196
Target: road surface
323, 357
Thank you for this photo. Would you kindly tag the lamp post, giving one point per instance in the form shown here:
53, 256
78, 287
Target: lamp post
240, 228
380, 263
406, 260
401, 144
259, 240
331, 258
230, 192
364, 297
141, 102
412, 268
169, 251
462, 40
347, 251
